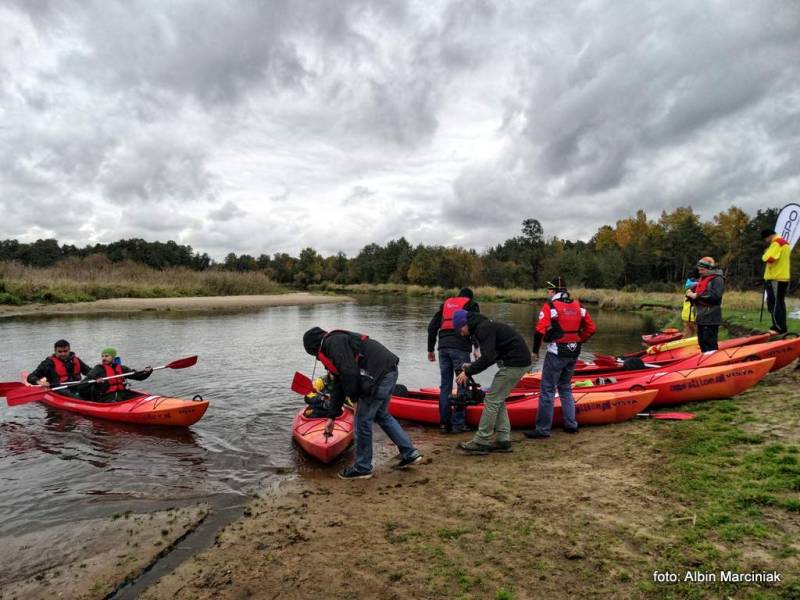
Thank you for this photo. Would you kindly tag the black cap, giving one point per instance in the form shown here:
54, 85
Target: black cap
765, 233
312, 340
466, 293
61, 344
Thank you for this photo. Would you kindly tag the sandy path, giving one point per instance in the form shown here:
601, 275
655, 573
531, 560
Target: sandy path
189, 304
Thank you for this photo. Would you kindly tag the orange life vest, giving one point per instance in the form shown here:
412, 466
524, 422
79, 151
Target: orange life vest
61, 368
450, 306
114, 385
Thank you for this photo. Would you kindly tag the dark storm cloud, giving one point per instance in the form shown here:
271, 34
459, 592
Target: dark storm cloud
265, 126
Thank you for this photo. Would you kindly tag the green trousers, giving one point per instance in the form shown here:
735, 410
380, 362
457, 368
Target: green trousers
494, 420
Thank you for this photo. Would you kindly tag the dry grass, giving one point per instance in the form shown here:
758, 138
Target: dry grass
96, 278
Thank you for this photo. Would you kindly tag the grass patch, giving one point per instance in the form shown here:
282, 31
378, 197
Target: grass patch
97, 278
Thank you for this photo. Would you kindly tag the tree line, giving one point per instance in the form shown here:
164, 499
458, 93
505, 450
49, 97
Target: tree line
635, 253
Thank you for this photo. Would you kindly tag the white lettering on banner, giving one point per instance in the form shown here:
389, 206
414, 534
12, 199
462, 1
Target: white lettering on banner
788, 224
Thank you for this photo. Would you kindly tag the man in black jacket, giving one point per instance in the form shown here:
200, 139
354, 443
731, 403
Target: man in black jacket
501, 344
111, 390
454, 350
61, 367
365, 371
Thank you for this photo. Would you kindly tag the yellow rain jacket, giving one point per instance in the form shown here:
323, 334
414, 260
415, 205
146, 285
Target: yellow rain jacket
777, 257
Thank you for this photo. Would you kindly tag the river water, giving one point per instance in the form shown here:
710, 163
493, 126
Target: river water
56, 467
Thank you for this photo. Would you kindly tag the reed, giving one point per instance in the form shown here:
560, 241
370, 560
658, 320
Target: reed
97, 278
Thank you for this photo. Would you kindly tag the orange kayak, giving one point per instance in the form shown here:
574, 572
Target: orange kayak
693, 385
668, 356
662, 337
309, 433
602, 408
142, 409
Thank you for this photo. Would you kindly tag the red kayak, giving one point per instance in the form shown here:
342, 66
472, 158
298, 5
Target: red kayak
783, 351
309, 433
693, 385
590, 409
141, 409
662, 337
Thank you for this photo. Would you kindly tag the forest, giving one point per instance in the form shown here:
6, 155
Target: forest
637, 253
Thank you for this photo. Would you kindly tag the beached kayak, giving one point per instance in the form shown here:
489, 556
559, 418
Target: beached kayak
590, 409
783, 351
662, 337
309, 435
692, 385
142, 409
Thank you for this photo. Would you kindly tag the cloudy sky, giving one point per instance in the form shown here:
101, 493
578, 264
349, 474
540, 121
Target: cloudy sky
269, 125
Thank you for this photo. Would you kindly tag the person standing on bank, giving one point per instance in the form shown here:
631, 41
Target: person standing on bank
777, 272
707, 300
565, 325
687, 310
501, 344
365, 371
454, 351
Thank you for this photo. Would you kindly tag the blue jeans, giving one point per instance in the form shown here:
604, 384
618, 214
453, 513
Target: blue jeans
556, 374
450, 359
375, 408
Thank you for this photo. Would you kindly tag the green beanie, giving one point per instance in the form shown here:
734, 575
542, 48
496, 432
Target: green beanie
110, 351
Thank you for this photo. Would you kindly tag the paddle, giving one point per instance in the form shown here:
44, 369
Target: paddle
33, 393
7, 386
302, 384
673, 416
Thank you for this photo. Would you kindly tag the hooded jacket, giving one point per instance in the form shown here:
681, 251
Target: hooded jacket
708, 304
499, 343
354, 359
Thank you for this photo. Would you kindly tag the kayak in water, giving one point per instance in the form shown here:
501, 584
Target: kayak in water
309, 433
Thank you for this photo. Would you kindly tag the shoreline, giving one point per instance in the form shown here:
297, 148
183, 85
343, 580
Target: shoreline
175, 304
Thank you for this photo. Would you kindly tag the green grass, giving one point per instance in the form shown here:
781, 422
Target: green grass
737, 485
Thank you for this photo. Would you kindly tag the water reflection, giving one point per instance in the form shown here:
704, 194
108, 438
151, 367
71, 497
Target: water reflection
55, 466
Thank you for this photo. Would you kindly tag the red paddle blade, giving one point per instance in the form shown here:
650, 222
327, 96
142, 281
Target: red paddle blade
24, 394
669, 416
7, 386
182, 363
302, 384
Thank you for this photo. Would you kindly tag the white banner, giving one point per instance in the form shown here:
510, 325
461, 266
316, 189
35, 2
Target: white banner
788, 224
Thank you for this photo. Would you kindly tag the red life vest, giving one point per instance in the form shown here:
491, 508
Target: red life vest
61, 368
361, 338
569, 319
450, 306
702, 286
114, 385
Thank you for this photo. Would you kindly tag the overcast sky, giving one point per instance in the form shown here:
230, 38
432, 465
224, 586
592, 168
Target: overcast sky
266, 125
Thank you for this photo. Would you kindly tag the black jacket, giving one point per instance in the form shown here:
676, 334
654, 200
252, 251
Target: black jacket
47, 370
351, 357
708, 305
449, 338
96, 390
498, 343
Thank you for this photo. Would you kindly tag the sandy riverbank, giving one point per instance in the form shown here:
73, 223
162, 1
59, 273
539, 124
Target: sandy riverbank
583, 516
188, 304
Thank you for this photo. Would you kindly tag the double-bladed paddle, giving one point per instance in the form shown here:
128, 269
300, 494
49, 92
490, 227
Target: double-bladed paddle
25, 394
7, 386
302, 384
670, 416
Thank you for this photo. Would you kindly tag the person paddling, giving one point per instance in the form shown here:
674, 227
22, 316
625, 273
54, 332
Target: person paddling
59, 368
365, 371
112, 390
454, 351
565, 325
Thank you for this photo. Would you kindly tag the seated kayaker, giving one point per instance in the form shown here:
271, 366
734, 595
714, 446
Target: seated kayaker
112, 390
319, 400
59, 368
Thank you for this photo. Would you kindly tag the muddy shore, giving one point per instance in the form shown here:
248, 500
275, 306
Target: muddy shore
570, 517
188, 304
